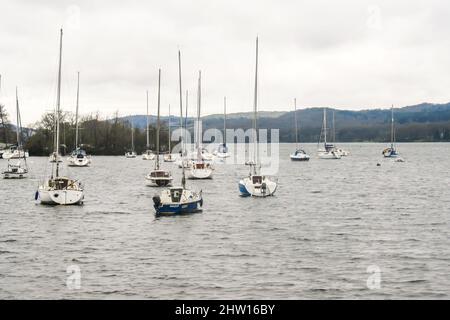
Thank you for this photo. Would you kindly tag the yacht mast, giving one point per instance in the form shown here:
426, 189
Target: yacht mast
183, 179
392, 127
199, 135
224, 121
296, 126
146, 128
18, 129
255, 112
157, 124
325, 126
132, 135
76, 113
58, 103
170, 149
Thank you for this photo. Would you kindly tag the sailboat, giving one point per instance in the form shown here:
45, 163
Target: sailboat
131, 154
392, 152
255, 184
78, 157
169, 157
340, 151
58, 189
182, 160
222, 148
17, 170
299, 154
158, 176
179, 199
328, 151
199, 169
17, 151
148, 154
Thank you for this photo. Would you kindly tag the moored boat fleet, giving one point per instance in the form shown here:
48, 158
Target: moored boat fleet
176, 197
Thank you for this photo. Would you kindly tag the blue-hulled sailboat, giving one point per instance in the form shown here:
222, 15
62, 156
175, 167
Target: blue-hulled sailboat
178, 199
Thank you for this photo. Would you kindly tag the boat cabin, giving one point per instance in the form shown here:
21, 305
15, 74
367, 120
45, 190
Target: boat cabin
159, 174
175, 194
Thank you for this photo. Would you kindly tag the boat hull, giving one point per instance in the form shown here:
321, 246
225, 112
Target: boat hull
60, 197
78, 162
184, 208
247, 188
14, 175
200, 173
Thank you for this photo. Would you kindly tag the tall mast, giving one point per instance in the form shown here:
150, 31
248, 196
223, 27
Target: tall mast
170, 149
325, 125
199, 134
18, 129
183, 178
157, 124
146, 128
58, 104
255, 111
296, 126
392, 127
76, 113
185, 118
132, 135
334, 127
224, 121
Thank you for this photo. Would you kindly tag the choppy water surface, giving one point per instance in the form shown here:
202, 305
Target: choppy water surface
329, 221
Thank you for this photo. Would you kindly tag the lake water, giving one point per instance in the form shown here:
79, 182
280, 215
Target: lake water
330, 222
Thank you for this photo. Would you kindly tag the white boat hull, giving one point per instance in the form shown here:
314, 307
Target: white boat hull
264, 189
78, 162
60, 197
328, 155
148, 157
16, 154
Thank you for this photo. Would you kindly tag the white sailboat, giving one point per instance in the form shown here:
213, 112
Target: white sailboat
18, 169
169, 157
131, 154
148, 154
391, 152
256, 184
57, 189
179, 199
158, 177
328, 151
78, 157
299, 154
17, 151
199, 169
340, 151
182, 161
222, 148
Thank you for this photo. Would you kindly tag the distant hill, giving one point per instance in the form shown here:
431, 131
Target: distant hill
422, 122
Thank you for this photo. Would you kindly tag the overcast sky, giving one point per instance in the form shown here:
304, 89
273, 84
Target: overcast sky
350, 54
